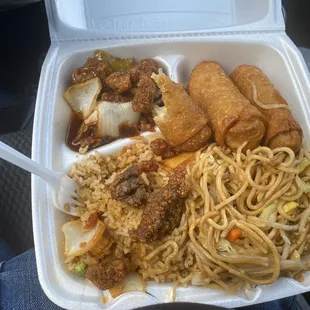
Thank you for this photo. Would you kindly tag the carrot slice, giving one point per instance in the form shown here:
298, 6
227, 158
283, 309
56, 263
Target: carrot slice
234, 234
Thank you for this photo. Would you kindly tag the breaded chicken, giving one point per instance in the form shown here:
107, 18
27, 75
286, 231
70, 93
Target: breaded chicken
143, 100
130, 188
160, 147
106, 275
92, 68
164, 209
145, 67
119, 81
112, 96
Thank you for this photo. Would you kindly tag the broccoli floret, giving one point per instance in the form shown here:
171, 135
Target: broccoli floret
80, 269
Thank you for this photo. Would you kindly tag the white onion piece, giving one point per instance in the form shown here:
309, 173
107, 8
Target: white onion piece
82, 96
111, 114
132, 283
79, 241
266, 106
92, 119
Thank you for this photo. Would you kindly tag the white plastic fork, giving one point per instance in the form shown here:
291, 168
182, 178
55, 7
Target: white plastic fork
64, 188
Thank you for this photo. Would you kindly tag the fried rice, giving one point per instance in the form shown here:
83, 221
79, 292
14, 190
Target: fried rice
95, 175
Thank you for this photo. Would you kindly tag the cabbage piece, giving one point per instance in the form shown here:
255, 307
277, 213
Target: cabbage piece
79, 241
225, 246
111, 114
302, 185
269, 213
303, 165
82, 96
289, 207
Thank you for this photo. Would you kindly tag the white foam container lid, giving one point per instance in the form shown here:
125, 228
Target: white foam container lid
179, 34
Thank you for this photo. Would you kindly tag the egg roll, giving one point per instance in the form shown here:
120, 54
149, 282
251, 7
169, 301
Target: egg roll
232, 117
282, 130
181, 121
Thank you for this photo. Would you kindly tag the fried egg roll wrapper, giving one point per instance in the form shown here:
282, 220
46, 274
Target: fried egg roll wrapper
196, 142
283, 130
181, 121
233, 119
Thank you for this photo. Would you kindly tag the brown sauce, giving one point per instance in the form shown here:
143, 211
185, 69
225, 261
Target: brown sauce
128, 129
74, 125
146, 124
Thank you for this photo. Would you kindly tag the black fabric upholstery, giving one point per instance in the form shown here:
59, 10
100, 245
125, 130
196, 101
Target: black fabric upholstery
15, 195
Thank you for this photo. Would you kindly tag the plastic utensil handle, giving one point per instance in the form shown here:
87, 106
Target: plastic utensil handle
18, 159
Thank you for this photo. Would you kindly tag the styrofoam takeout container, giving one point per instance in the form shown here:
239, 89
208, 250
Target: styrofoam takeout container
179, 34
